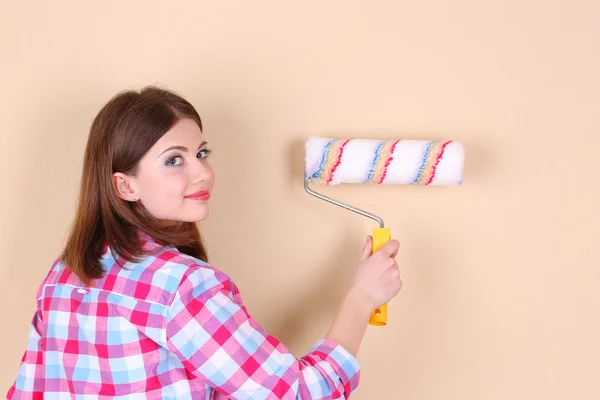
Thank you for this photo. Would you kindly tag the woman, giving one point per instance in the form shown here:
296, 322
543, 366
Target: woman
132, 309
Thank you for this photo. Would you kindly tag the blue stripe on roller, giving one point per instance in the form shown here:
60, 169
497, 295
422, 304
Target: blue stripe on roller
316, 174
424, 162
374, 162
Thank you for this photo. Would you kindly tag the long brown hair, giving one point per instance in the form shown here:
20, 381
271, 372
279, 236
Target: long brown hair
122, 132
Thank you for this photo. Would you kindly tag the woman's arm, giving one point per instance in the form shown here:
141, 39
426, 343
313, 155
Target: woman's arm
377, 280
349, 327
220, 343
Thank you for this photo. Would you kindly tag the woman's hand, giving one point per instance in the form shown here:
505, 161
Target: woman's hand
376, 281
377, 278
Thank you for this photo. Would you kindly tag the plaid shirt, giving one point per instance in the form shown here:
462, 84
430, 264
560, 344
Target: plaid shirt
168, 327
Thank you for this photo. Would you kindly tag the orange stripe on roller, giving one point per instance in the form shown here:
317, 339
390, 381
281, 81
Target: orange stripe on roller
388, 161
437, 161
338, 161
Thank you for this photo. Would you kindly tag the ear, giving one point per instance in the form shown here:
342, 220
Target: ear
125, 186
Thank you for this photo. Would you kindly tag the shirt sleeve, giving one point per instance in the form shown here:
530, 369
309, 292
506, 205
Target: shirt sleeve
219, 342
30, 377
30, 381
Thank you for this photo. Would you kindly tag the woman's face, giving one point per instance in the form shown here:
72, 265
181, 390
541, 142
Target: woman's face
174, 179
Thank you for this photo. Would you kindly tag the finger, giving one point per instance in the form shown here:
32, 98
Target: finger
395, 253
366, 250
393, 275
390, 249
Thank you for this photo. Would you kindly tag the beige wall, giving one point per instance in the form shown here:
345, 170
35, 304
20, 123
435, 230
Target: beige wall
501, 297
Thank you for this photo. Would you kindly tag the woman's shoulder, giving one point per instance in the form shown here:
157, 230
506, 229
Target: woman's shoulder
163, 273
157, 277
200, 278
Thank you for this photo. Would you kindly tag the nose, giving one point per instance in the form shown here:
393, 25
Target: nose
201, 171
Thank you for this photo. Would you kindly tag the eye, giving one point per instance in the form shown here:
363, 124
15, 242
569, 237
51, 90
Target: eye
172, 161
205, 151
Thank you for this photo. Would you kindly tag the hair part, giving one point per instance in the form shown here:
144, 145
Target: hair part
120, 134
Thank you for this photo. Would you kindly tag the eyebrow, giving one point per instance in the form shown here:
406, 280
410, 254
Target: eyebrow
182, 148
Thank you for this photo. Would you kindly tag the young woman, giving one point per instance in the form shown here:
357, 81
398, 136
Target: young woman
131, 309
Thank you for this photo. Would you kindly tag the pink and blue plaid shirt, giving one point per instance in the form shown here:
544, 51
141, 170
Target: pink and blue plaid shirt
168, 327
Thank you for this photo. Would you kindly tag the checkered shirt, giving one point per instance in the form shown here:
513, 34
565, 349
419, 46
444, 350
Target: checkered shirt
167, 327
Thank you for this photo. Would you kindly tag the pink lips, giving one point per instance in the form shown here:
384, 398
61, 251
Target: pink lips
200, 195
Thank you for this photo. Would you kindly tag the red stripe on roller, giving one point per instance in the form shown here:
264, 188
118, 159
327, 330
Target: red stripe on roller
338, 161
437, 161
387, 162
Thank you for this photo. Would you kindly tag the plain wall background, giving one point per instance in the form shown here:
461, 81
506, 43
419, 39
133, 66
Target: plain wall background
501, 274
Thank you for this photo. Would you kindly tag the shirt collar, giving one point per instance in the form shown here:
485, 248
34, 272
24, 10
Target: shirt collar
148, 242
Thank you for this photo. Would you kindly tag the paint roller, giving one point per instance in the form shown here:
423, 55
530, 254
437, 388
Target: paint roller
382, 162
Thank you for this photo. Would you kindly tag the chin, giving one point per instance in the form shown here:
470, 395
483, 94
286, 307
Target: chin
187, 214
196, 216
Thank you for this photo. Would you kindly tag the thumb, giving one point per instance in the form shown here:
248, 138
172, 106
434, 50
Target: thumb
367, 249
390, 249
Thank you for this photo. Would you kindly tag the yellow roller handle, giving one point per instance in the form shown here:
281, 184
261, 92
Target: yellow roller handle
380, 237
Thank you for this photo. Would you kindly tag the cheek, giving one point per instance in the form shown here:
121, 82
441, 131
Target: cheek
166, 187
211, 175
175, 185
